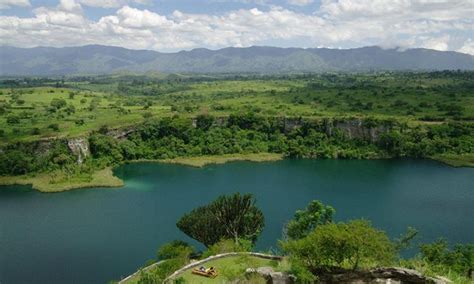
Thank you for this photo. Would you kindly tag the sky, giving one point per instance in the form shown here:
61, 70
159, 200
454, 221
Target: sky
172, 25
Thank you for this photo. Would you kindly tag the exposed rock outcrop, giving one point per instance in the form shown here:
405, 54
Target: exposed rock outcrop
79, 147
377, 275
121, 133
271, 276
357, 129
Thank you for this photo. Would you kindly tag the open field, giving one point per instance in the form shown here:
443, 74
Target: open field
464, 160
76, 108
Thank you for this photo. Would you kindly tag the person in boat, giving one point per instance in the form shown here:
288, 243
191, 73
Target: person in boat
202, 268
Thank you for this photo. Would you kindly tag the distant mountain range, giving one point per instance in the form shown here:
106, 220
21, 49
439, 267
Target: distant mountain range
98, 59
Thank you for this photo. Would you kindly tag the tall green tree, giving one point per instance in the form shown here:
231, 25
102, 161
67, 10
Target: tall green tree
306, 220
228, 217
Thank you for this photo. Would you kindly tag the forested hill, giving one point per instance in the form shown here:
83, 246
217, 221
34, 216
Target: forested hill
97, 59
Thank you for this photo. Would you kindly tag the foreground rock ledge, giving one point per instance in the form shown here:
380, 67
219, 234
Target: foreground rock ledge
378, 275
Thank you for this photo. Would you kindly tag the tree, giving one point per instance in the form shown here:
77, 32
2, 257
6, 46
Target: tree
13, 119
441, 258
305, 221
58, 103
35, 131
175, 249
204, 121
228, 217
54, 126
70, 109
352, 244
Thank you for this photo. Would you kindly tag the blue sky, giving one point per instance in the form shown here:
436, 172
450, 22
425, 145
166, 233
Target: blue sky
171, 25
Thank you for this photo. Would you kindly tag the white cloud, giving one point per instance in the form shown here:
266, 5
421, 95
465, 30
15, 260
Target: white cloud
111, 3
346, 23
438, 43
300, 2
5, 4
397, 9
70, 5
468, 47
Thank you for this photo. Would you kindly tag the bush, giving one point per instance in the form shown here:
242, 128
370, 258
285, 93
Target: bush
228, 245
13, 119
175, 249
175, 255
35, 131
58, 103
54, 126
353, 244
441, 258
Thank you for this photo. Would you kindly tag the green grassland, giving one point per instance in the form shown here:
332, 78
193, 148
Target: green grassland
434, 114
464, 160
118, 101
58, 181
202, 161
37, 119
229, 269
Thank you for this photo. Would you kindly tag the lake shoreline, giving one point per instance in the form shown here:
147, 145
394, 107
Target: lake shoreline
202, 161
57, 182
105, 178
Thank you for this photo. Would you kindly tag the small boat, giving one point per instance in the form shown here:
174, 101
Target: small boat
209, 272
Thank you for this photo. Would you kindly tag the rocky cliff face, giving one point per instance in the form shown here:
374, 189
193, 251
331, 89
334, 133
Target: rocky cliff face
79, 147
353, 128
121, 133
357, 129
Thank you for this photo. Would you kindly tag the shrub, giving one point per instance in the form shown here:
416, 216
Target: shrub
58, 103
176, 254
228, 245
175, 249
440, 257
13, 119
54, 126
35, 131
352, 244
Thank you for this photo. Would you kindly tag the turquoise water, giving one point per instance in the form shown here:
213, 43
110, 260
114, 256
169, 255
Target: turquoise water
96, 235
